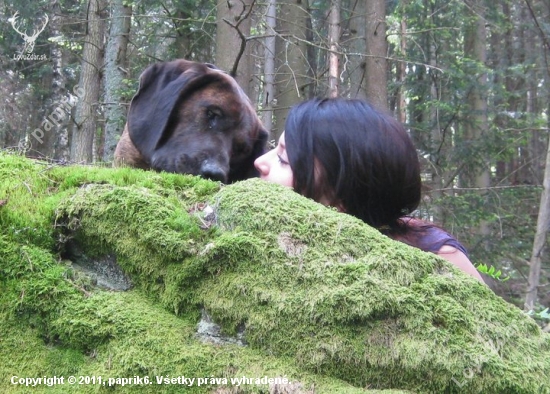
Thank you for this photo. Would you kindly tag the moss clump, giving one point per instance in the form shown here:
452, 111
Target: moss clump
322, 297
346, 301
31, 191
54, 322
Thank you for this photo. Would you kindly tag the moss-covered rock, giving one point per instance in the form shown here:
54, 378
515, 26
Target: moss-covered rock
322, 299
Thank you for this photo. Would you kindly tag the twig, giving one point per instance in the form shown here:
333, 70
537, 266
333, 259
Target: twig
242, 17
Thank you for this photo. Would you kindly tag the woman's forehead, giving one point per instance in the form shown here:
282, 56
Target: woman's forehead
282, 139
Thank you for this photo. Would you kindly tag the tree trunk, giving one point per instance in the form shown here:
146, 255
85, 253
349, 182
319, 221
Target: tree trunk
232, 29
183, 44
115, 72
498, 61
515, 82
477, 125
14, 121
292, 60
269, 65
401, 103
377, 48
543, 221
437, 137
59, 110
357, 45
532, 167
90, 81
334, 43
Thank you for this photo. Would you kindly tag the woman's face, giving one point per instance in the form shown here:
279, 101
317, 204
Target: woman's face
274, 167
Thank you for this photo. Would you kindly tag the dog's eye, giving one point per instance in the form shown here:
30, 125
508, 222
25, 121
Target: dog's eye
213, 115
210, 114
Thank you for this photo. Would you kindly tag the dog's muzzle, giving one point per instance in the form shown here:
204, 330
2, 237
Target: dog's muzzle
213, 171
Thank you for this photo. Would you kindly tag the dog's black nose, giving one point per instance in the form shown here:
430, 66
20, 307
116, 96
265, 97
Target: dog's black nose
213, 171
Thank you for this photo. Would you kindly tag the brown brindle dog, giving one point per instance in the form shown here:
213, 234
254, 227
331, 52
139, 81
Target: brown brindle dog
191, 118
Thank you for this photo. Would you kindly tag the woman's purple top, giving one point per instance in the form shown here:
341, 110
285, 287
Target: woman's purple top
426, 236
434, 238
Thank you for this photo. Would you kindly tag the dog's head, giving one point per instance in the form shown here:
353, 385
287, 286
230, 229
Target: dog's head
193, 118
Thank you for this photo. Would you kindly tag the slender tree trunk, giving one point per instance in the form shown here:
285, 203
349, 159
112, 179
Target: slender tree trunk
543, 221
436, 134
61, 147
252, 76
478, 126
183, 45
269, 64
52, 121
16, 125
377, 48
515, 82
334, 42
531, 171
292, 61
232, 29
498, 62
82, 143
401, 70
115, 72
356, 45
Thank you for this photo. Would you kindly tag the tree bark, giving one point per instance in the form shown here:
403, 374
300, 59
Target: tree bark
377, 48
52, 138
232, 30
82, 143
543, 221
401, 103
357, 45
477, 125
269, 65
115, 72
334, 43
292, 60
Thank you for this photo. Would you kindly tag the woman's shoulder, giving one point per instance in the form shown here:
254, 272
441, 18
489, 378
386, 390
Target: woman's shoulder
433, 238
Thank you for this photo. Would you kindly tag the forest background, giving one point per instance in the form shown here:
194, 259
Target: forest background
469, 79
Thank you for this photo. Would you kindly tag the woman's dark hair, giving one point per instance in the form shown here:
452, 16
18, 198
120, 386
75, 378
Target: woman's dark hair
356, 157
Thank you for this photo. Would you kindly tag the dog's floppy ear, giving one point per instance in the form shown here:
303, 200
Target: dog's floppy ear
160, 88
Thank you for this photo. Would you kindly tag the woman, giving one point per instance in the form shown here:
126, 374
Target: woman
345, 154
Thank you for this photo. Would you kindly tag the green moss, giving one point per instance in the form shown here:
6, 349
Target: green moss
391, 315
323, 298
50, 327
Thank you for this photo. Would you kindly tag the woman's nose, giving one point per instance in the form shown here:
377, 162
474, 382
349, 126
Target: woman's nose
261, 164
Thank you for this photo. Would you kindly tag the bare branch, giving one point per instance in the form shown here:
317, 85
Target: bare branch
242, 17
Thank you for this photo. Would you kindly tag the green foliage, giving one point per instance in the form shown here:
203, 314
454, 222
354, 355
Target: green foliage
512, 147
510, 214
542, 315
492, 272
